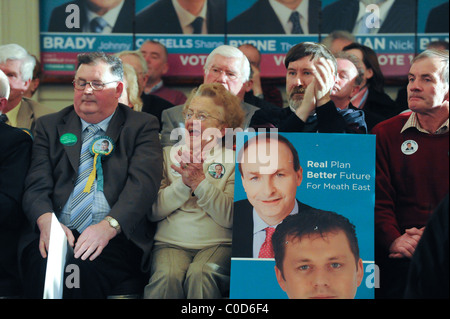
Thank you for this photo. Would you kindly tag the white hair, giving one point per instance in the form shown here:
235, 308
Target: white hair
4, 85
442, 55
138, 55
229, 51
14, 51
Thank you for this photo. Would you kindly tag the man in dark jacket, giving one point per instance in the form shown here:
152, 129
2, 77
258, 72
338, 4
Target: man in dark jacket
310, 77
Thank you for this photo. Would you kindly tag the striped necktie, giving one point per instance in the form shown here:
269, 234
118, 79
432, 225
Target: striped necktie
98, 24
81, 206
364, 27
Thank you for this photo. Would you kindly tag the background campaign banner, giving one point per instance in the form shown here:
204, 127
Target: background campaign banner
338, 176
397, 30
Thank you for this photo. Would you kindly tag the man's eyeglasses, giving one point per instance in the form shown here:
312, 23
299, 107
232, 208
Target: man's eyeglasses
201, 116
95, 85
217, 72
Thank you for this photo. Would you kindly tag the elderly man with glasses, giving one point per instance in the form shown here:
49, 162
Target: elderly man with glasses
18, 65
226, 65
103, 212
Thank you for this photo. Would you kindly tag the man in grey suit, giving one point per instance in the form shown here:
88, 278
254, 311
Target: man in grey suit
110, 236
226, 65
18, 66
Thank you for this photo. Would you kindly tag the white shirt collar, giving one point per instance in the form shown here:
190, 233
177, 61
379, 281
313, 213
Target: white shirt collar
186, 18
103, 124
384, 8
110, 17
259, 224
283, 13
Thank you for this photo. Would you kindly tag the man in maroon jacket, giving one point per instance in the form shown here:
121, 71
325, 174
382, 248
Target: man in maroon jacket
412, 169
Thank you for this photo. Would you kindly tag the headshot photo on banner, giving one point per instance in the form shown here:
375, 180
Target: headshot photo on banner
303, 222
395, 30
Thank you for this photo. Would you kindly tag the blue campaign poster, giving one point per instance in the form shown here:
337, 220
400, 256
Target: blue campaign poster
339, 176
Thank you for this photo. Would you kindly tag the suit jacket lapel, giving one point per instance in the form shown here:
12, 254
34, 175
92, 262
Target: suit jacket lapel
271, 21
351, 10
124, 24
25, 115
116, 124
243, 229
170, 14
313, 16
399, 19
215, 18
340, 16
72, 125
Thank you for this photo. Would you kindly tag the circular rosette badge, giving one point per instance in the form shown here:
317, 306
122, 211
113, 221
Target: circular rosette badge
216, 170
101, 147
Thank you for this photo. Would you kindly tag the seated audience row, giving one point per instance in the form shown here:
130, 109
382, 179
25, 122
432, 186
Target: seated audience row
158, 217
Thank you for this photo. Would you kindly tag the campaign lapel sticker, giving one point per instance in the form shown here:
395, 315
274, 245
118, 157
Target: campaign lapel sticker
68, 139
409, 147
101, 147
216, 170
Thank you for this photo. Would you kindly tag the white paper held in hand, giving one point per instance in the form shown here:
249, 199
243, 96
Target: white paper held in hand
56, 261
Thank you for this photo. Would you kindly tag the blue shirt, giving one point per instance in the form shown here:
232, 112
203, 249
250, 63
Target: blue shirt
259, 233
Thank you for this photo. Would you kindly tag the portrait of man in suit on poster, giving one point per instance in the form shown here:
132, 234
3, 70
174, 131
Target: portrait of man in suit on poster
277, 17
270, 183
317, 256
96, 16
369, 16
182, 17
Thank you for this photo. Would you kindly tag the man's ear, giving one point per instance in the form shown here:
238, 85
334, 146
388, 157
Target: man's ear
146, 76
369, 73
165, 68
119, 89
280, 278
359, 272
3, 102
248, 86
26, 85
355, 90
299, 174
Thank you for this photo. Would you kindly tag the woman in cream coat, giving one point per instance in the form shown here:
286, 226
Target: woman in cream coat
194, 209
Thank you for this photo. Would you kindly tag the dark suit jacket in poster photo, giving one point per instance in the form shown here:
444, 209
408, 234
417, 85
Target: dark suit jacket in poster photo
243, 227
262, 19
124, 22
161, 17
342, 15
